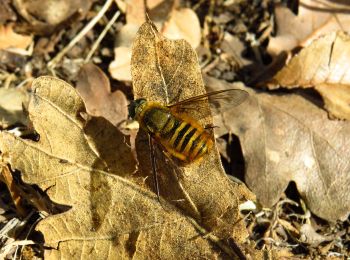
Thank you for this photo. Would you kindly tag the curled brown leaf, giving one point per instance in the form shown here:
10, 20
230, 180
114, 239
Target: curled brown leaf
94, 87
286, 138
322, 65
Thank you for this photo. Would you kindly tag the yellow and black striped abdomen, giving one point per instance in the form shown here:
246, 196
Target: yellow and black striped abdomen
182, 137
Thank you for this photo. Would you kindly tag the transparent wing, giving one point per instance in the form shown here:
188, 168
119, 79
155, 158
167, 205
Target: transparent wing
219, 101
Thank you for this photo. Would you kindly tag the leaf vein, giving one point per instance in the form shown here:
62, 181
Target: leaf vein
61, 111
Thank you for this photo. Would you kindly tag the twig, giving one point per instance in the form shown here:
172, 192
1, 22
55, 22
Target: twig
13, 226
26, 239
101, 36
197, 5
80, 35
7, 248
11, 77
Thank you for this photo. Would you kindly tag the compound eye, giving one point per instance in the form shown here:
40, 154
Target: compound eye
133, 107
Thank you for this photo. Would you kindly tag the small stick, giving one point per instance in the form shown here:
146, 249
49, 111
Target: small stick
80, 35
101, 36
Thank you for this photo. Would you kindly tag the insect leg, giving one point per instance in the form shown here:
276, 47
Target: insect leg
177, 97
154, 166
211, 126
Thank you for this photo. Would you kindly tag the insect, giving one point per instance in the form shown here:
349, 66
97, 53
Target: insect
181, 136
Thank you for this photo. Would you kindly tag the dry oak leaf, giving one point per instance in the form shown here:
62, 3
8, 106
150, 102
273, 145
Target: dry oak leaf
94, 87
9, 39
182, 24
167, 70
120, 67
315, 18
87, 166
45, 16
157, 10
287, 138
12, 101
322, 65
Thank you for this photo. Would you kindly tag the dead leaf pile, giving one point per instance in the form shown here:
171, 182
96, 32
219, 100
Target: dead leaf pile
283, 143
175, 23
315, 18
323, 66
83, 162
320, 29
76, 172
96, 182
44, 17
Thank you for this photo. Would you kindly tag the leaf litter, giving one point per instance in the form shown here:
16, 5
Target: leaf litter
314, 19
322, 66
44, 17
172, 20
251, 26
68, 163
85, 164
94, 87
282, 143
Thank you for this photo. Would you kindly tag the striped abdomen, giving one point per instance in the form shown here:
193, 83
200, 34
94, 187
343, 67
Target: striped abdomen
183, 138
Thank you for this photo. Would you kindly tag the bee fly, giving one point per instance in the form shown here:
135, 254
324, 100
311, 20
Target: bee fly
180, 135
